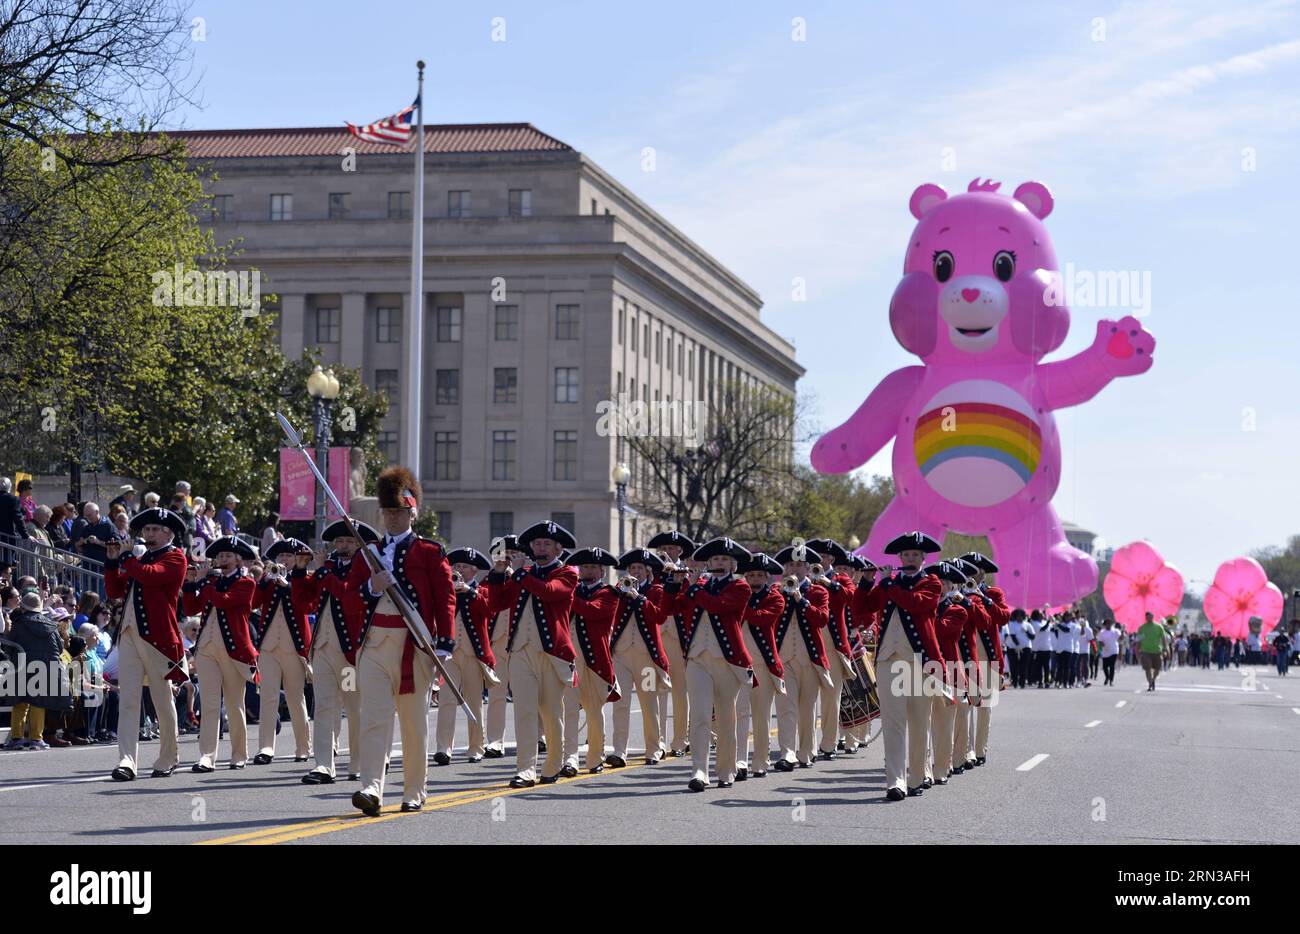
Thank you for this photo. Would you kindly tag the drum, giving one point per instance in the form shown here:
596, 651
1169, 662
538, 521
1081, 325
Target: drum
859, 702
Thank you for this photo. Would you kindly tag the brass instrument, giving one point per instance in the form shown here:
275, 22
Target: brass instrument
628, 583
790, 582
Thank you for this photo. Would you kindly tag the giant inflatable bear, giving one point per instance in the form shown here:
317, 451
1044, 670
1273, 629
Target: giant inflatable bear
976, 447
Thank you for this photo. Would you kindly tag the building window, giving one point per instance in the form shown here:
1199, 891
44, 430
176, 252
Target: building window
386, 382
386, 441
327, 325
281, 207
339, 205
690, 363
444, 526
593, 206
500, 524
621, 326
503, 455
566, 322
645, 392
620, 382
521, 202
505, 385
446, 455
679, 359
647, 340
449, 325
566, 384
565, 519
566, 456
222, 207
659, 344
399, 205
507, 322
458, 204
634, 333
448, 391
388, 325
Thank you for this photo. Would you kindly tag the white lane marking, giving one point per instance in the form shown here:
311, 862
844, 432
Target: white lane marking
1089, 726
1030, 763
1264, 685
1121, 703
65, 781
1295, 709
1139, 690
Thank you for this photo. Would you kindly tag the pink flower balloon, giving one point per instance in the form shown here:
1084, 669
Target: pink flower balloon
1141, 582
1241, 590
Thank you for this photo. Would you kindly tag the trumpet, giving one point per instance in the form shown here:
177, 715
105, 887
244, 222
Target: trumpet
790, 582
629, 584
456, 578
817, 572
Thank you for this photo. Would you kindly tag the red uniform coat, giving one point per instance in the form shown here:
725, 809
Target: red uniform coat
949, 628
913, 601
812, 611
231, 595
999, 614
421, 570
594, 608
725, 599
686, 615
649, 609
766, 606
153, 585
474, 609
326, 590
841, 592
551, 595
276, 601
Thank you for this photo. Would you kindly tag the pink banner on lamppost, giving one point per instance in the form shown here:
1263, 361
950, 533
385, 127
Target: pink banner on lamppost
298, 485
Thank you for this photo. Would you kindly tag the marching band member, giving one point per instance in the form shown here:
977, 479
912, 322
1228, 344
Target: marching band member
595, 603
498, 632
340, 618
754, 706
539, 652
906, 649
282, 652
988, 644
676, 546
855, 736
472, 664
839, 656
148, 580
949, 626
963, 734
394, 675
803, 657
638, 650
224, 654
717, 663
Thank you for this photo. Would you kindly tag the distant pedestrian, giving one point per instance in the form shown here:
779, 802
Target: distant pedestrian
1282, 648
1108, 640
1151, 649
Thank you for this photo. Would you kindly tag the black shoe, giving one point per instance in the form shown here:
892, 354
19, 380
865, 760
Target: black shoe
676, 753
742, 774
941, 781
895, 794
366, 804
696, 785
354, 776
441, 758
492, 753
928, 783
201, 769
123, 774
596, 769
262, 759
568, 771
722, 784
655, 757
959, 770
839, 744
826, 756
473, 759
806, 765
299, 758
783, 765
541, 745
758, 773
980, 760
518, 782
318, 778
615, 762
162, 773
971, 763
915, 792
550, 779
408, 807
237, 765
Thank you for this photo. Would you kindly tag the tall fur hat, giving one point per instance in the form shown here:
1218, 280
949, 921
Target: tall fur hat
397, 487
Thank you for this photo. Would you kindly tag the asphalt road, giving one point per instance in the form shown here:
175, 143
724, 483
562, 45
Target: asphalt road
1208, 758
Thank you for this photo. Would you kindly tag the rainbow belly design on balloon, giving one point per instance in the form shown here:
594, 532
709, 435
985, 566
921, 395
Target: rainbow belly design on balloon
977, 443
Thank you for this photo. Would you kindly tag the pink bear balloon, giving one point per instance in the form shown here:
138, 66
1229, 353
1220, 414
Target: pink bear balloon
976, 447
1241, 590
1141, 582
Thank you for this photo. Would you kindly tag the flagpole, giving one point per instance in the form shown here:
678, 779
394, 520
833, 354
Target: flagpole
415, 340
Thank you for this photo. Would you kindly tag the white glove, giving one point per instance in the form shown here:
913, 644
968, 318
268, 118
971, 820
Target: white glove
138, 551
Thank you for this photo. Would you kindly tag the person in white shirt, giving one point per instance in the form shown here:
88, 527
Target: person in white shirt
1085, 652
1042, 648
1063, 653
1108, 641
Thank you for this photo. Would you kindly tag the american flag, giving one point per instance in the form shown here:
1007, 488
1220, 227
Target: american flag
394, 130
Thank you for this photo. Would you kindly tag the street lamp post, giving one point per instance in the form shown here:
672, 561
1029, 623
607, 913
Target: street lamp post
620, 477
323, 387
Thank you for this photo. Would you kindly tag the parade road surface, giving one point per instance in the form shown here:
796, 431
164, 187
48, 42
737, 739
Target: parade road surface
1205, 759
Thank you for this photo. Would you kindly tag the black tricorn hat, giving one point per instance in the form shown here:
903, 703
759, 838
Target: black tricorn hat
983, 562
673, 537
761, 562
291, 546
913, 541
946, 570
969, 568
595, 555
830, 550
786, 555
861, 563
551, 530
157, 515
640, 556
721, 546
227, 543
338, 528
468, 555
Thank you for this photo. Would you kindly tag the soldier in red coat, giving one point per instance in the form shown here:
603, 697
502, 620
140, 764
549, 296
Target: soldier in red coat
674, 634
988, 645
909, 665
472, 664
498, 635
949, 625
640, 660
754, 705
283, 646
803, 655
839, 654
340, 615
538, 648
718, 665
395, 676
595, 603
148, 581
224, 655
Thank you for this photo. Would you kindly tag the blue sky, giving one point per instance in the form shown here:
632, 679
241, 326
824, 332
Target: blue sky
1169, 134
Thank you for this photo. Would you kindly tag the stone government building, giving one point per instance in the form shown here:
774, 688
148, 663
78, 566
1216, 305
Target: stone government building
602, 295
